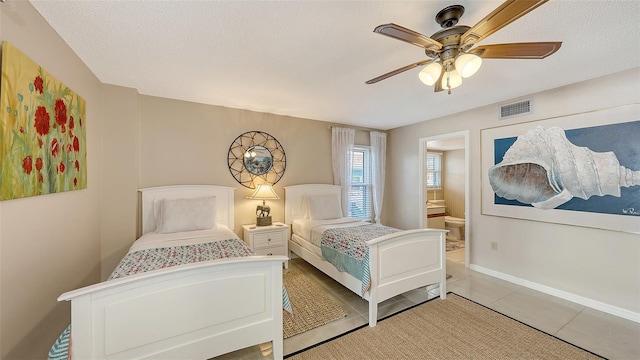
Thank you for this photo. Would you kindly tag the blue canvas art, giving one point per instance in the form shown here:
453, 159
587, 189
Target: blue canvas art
591, 169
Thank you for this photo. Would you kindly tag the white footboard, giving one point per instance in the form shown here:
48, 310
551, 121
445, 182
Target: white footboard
398, 263
194, 311
404, 261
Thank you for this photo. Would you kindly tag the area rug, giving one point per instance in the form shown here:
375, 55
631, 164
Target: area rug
312, 306
455, 328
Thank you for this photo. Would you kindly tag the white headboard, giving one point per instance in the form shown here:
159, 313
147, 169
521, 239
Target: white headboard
295, 198
223, 194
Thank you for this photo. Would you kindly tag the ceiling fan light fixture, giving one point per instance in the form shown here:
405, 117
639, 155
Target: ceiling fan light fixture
430, 74
468, 64
454, 47
451, 79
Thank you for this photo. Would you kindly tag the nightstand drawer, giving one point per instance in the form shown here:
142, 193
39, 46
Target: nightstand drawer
271, 251
268, 239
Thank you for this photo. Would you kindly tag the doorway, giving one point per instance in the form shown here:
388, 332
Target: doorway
456, 144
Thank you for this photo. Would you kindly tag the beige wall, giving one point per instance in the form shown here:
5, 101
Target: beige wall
119, 196
188, 143
51, 243
600, 265
453, 182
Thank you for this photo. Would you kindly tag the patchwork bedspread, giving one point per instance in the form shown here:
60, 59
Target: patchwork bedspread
158, 258
346, 249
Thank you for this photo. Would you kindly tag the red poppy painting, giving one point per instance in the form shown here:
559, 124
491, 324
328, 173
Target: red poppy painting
42, 131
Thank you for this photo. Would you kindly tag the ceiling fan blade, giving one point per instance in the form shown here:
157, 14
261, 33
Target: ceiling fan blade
504, 15
398, 71
532, 50
408, 35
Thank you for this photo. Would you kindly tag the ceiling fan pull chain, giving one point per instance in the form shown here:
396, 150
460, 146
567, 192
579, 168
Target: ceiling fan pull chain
448, 78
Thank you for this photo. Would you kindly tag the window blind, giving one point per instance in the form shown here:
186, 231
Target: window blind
360, 193
434, 171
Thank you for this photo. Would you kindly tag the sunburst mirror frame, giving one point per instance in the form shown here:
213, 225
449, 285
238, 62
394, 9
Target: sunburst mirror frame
252, 142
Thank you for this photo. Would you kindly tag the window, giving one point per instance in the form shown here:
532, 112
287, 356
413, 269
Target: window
434, 170
360, 194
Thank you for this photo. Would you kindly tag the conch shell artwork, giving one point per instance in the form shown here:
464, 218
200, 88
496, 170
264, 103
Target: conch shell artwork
544, 169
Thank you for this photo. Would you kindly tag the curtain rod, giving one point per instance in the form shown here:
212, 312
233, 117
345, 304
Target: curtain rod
357, 128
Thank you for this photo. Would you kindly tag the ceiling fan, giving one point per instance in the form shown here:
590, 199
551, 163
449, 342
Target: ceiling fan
450, 51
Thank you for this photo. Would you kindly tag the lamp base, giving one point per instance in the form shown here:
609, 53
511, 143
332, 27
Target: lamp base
263, 221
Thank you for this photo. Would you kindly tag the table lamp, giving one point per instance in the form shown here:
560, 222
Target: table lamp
263, 192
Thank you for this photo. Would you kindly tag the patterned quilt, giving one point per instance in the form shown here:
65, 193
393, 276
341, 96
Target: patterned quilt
346, 249
158, 258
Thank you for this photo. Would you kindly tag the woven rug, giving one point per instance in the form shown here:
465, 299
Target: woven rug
312, 307
455, 328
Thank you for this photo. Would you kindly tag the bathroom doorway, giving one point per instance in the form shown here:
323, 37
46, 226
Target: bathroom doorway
452, 196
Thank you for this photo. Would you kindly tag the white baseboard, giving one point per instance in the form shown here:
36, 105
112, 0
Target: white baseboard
609, 309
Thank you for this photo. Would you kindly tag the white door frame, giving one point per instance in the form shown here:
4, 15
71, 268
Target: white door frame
421, 191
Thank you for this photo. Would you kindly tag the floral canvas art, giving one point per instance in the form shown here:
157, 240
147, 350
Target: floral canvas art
42, 131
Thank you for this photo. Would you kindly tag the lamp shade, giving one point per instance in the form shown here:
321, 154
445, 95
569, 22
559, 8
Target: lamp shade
264, 192
430, 74
468, 64
451, 80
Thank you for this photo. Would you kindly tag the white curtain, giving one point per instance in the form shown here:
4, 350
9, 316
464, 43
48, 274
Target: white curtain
378, 164
342, 140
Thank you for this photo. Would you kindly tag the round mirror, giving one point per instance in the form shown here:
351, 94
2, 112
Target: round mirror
258, 160
256, 155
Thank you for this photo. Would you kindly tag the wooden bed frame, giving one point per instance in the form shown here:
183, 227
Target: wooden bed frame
194, 311
399, 262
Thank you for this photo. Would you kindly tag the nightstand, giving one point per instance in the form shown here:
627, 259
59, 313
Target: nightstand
268, 240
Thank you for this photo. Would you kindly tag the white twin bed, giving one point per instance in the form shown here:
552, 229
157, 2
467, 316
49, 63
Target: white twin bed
398, 261
184, 305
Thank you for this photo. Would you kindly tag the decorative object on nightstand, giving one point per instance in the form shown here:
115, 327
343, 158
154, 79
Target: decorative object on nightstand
268, 240
263, 192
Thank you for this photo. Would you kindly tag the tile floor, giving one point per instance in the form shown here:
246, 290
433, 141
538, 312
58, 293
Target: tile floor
601, 333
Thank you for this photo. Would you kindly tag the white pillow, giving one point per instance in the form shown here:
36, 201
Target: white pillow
175, 215
155, 204
305, 207
325, 207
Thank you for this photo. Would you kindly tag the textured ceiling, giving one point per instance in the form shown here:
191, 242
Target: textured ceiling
310, 59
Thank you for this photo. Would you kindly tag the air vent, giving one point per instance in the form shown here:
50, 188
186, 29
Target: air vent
515, 109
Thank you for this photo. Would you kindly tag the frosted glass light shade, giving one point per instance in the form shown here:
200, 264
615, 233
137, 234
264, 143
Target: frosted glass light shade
430, 74
455, 80
468, 64
264, 191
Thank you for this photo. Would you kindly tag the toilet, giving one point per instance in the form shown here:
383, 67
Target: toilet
455, 226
